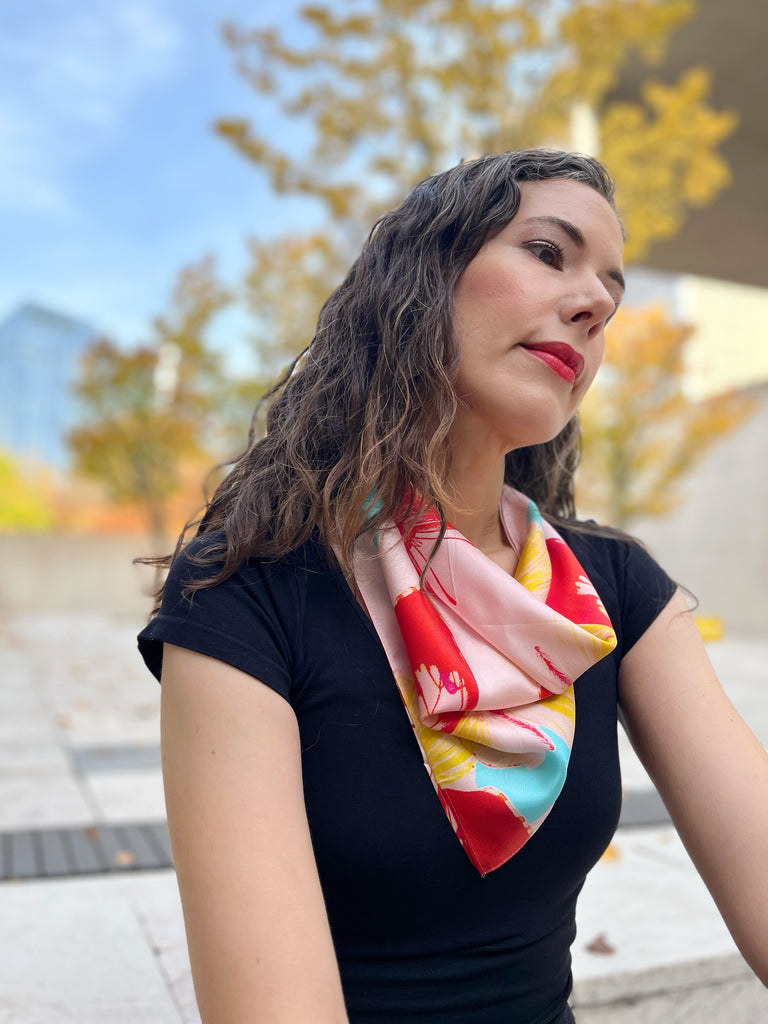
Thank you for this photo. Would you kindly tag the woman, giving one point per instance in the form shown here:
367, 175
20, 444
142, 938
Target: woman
373, 593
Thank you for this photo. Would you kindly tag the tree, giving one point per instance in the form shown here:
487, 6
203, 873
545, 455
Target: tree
381, 93
641, 434
287, 281
389, 91
150, 410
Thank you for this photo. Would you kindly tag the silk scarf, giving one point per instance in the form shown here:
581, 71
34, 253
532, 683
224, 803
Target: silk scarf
484, 662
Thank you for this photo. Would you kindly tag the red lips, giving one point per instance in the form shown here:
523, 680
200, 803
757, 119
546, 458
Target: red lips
564, 360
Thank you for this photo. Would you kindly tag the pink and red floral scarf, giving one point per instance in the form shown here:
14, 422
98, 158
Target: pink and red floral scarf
485, 662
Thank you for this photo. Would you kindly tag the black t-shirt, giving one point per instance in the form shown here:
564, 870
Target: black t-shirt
419, 934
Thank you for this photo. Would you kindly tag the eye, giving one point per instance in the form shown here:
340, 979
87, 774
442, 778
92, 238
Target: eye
549, 253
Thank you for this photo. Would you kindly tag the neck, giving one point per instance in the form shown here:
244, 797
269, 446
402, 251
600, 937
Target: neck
474, 509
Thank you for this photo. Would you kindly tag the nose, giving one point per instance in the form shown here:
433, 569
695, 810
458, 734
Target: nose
589, 304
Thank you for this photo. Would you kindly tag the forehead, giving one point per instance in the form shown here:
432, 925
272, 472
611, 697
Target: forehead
574, 202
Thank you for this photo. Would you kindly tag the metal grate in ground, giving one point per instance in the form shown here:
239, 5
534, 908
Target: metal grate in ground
97, 849
84, 850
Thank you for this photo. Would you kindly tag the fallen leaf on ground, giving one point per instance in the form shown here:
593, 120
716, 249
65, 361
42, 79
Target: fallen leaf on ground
124, 858
600, 945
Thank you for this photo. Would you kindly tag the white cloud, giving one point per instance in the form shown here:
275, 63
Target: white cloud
102, 60
26, 181
68, 74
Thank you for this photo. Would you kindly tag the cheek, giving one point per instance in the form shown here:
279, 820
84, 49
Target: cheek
488, 289
467, 372
594, 361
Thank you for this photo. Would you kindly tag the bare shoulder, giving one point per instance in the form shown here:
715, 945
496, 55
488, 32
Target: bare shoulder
672, 638
204, 699
669, 691
259, 940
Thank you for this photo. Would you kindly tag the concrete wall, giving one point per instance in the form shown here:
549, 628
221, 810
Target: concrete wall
729, 348
77, 573
716, 544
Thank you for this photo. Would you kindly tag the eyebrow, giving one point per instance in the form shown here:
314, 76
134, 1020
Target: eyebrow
578, 239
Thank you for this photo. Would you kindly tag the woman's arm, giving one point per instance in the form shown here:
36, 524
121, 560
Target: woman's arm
259, 942
710, 770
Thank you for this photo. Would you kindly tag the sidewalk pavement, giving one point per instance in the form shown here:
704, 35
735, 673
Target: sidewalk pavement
92, 931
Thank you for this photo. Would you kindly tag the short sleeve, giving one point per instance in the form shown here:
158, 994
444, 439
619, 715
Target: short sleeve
244, 621
645, 591
632, 585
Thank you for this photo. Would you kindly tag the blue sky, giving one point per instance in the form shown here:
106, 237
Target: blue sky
111, 178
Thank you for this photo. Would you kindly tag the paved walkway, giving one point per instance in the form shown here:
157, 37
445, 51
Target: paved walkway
92, 929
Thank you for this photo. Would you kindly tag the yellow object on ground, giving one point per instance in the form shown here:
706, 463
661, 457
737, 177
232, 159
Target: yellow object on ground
710, 626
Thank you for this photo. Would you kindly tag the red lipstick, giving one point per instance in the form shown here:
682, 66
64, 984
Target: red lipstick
564, 360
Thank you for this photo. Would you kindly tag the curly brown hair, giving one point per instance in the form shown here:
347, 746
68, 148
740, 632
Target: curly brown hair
369, 404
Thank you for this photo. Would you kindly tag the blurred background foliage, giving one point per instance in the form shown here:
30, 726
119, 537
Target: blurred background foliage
400, 90
152, 413
641, 434
387, 92
26, 499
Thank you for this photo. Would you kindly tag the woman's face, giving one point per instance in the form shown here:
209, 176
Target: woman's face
529, 314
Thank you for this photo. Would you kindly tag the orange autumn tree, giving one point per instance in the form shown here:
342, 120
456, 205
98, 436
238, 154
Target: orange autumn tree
641, 433
152, 412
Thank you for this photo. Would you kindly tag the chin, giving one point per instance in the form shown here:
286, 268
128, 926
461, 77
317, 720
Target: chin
538, 433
